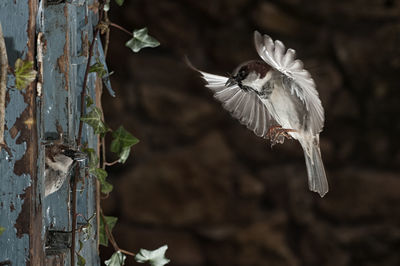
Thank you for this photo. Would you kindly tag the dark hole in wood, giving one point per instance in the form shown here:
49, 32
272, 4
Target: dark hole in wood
58, 240
49, 136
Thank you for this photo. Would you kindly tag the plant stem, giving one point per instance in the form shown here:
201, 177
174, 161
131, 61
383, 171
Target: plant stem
110, 164
120, 28
112, 240
74, 187
85, 78
78, 142
127, 252
103, 152
107, 39
108, 232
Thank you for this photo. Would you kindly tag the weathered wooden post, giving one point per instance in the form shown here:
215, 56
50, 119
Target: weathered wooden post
55, 35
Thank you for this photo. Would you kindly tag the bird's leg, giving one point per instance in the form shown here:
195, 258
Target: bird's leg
272, 131
275, 132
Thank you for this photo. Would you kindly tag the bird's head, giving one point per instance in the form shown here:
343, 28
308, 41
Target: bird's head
75, 155
247, 74
238, 75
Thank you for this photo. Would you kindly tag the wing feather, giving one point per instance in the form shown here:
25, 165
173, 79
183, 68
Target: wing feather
245, 106
295, 78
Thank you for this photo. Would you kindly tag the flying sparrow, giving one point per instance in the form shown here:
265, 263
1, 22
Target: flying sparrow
276, 98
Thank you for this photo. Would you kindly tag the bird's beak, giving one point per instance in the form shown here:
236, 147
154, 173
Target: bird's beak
76, 155
80, 156
230, 82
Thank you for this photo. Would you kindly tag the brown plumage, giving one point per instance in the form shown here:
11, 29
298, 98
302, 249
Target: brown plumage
253, 65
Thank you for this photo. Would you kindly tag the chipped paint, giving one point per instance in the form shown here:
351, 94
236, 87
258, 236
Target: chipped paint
55, 38
15, 243
63, 61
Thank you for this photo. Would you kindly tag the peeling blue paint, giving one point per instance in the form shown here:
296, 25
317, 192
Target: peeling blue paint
65, 28
15, 107
12, 247
12, 16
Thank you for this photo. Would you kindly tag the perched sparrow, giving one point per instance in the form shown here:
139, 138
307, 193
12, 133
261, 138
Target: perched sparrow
276, 98
59, 161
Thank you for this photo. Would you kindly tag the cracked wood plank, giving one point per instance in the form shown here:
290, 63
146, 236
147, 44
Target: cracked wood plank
56, 46
21, 206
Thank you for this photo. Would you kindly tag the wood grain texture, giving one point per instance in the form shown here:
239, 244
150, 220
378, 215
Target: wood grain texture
59, 33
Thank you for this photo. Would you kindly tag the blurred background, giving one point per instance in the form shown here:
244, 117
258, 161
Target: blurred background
215, 193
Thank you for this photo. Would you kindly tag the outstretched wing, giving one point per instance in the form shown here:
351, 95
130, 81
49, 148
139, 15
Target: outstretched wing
246, 106
295, 78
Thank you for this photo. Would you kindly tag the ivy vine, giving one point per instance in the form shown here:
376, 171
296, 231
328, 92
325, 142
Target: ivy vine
92, 115
121, 144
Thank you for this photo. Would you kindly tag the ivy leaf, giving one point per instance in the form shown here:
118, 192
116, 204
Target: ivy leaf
111, 221
93, 158
122, 143
81, 260
93, 119
153, 257
80, 245
2, 229
89, 101
119, 2
101, 175
141, 40
24, 73
117, 259
98, 68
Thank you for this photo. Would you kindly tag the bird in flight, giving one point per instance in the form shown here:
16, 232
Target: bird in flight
276, 98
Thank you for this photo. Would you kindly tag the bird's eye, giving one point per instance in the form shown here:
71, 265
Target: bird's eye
242, 73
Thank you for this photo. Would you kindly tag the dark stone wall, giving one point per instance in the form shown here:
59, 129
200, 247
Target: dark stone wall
214, 192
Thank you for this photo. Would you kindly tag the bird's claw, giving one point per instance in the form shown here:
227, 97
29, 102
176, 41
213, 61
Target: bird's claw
277, 134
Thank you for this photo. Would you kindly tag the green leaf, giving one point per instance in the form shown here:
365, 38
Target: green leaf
93, 119
2, 229
153, 257
93, 158
81, 260
122, 143
111, 221
119, 2
141, 40
117, 259
98, 68
101, 175
24, 73
80, 245
89, 101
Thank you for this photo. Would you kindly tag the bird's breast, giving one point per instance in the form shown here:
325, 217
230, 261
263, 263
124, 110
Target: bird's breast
285, 108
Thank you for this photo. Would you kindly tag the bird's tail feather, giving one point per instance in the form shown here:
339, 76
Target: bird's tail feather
317, 180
